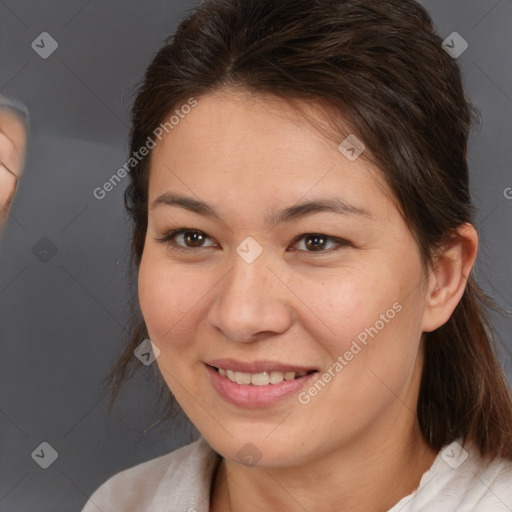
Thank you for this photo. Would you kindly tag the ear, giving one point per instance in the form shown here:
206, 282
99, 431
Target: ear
448, 278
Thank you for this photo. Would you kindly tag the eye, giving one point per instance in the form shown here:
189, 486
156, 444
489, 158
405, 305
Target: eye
184, 239
187, 239
317, 242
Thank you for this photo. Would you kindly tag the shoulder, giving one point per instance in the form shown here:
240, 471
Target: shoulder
460, 479
480, 485
184, 474
491, 486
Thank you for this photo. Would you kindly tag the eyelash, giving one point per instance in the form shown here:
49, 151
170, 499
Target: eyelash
168, 239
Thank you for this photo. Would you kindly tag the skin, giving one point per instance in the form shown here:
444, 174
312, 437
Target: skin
13, 138
356, 445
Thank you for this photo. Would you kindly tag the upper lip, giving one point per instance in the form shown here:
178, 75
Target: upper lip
258, 366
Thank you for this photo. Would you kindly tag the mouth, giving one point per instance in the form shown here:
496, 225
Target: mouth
261, 378
257, 384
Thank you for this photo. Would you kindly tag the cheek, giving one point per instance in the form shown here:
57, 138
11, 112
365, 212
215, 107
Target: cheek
169, 297
372, 344
376, 307
347, 304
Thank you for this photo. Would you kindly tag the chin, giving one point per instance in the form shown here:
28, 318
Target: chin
256, 448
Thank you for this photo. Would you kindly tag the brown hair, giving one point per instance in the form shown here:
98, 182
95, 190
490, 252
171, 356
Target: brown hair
379, 66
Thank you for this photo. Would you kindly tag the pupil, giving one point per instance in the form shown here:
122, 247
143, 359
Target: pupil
316, 240
194, 238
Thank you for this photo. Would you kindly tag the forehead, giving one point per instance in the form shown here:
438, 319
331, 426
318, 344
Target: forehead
257, 150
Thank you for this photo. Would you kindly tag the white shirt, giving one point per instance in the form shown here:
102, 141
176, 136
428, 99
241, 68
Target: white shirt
180, 481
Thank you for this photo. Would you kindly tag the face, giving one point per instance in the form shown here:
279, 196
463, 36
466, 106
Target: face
290, 259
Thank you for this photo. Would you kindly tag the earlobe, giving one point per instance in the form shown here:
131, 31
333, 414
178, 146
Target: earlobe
449, 277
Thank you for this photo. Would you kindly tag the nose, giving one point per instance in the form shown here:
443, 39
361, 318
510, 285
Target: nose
251, 303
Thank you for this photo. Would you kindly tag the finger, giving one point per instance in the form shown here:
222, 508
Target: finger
13, 141
8, 182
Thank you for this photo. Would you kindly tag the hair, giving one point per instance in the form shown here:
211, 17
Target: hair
379, 66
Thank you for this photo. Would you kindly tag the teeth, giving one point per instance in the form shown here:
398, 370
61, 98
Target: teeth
276, 377
259, 379
242, 378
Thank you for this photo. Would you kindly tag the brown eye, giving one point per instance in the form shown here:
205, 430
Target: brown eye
317, 242
193, 238
184, 239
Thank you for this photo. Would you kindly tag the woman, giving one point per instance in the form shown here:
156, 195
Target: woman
304, 244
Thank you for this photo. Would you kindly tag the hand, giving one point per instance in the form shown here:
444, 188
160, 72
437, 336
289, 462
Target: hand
13, 141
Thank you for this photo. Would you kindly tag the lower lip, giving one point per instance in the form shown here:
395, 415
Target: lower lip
250, 396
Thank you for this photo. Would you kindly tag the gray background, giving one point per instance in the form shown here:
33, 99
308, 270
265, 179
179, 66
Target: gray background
62, 320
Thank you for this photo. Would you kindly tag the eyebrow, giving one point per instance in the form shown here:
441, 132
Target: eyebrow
332, 205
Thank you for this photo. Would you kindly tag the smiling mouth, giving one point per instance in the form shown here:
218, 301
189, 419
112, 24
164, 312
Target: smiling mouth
261, 378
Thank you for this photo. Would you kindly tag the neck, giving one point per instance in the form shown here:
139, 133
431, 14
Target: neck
372, 474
